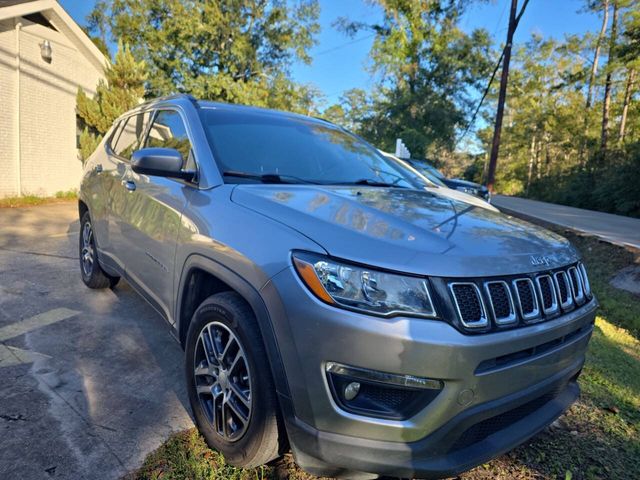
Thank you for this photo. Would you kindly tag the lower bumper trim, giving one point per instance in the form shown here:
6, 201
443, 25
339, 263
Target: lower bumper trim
454, 448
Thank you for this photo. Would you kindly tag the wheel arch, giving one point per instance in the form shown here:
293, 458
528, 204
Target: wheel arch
82, 208
202, 277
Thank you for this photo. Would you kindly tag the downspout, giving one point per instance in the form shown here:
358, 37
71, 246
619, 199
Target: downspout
18, 153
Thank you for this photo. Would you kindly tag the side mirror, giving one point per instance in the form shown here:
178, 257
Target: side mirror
160, 162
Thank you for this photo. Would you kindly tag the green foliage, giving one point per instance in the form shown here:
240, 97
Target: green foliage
88, 143
551, 142
231, 51
122, 90
427, 68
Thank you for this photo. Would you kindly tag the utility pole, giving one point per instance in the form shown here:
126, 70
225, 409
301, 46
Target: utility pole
495, 146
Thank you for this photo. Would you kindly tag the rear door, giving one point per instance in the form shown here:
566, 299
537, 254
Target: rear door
153, 212
128, 139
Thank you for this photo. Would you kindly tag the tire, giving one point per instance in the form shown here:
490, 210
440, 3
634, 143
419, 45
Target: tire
90, 270
214, 393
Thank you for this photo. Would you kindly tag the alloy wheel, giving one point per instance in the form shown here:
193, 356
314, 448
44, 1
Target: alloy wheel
87, 253
223, 381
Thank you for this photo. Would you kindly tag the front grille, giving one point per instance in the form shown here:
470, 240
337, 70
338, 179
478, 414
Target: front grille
547, 292
501, 302
469, 304
564, 292
576, 285
585, 281
527, 301
530, 298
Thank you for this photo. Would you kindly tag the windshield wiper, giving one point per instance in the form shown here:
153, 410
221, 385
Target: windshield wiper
267, 177
373, 183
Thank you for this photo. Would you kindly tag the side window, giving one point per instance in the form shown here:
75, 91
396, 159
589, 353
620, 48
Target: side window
168, 131
131, 135
115, 135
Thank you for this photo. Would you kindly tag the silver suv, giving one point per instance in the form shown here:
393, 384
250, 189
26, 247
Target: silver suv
327, 301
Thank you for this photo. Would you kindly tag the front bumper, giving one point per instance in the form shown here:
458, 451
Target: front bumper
440, 454
310, 334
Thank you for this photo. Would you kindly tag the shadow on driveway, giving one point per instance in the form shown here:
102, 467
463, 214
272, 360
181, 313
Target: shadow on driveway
90, 394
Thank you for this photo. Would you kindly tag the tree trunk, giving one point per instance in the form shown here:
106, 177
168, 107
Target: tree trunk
631, 78
596, 54
495, 146
538, 162
606, 104
532, 159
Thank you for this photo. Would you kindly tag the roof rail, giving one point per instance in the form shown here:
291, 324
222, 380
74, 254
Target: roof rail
172, 96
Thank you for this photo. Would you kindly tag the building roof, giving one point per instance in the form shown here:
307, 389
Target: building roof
59, 19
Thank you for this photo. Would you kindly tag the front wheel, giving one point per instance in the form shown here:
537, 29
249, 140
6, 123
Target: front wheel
229, 382
92, 274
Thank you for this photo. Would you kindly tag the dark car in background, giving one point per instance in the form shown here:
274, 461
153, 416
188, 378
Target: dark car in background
465, 186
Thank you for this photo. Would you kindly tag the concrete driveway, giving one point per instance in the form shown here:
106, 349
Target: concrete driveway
90, 381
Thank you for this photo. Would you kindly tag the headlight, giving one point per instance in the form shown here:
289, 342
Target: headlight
362, 288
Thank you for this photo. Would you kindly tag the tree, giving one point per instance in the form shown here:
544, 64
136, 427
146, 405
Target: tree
606, 104
596, 52
428, 69
545, 139
354, 108
629, 54
226, 50
122, 90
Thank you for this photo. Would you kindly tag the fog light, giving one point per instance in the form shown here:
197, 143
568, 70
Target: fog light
351, 390
380, 394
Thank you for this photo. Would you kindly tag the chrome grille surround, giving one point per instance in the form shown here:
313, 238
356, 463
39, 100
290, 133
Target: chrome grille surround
512, 317
535, 311
483, 321
529, 298
585, 280
554, 297
561, 278
575, 281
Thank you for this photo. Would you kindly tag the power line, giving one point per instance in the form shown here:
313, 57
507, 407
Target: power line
493, 75
338, 47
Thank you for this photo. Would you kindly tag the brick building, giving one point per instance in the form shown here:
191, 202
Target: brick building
44, 57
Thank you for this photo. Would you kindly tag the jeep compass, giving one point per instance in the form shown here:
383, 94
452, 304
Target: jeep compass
327, 301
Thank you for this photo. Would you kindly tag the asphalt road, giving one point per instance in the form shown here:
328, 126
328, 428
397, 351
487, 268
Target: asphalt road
90, 381
612, 228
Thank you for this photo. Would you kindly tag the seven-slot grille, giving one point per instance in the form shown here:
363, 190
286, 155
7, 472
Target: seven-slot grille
469, 304
532, 298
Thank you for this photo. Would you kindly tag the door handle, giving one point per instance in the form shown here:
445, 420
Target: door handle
129, 185
98, 168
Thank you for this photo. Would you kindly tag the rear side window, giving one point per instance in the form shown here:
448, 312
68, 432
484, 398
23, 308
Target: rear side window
116, 133
131, 135
169, 131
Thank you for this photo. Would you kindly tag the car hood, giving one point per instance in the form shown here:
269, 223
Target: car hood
414, 231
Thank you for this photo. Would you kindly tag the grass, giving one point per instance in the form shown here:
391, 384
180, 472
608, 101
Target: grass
33, 200
599, 437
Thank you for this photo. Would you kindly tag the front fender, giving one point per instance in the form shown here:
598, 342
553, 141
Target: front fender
250, 295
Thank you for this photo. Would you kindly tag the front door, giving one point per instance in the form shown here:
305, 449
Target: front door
153, 213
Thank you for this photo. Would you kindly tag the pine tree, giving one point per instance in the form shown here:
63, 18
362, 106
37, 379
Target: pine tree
123, 89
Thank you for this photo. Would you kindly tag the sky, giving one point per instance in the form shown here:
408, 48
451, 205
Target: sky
340, 63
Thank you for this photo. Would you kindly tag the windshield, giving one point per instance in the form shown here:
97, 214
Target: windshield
430, 172
254, 146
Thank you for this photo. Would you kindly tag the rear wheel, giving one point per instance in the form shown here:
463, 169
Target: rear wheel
229, 382
92, 274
